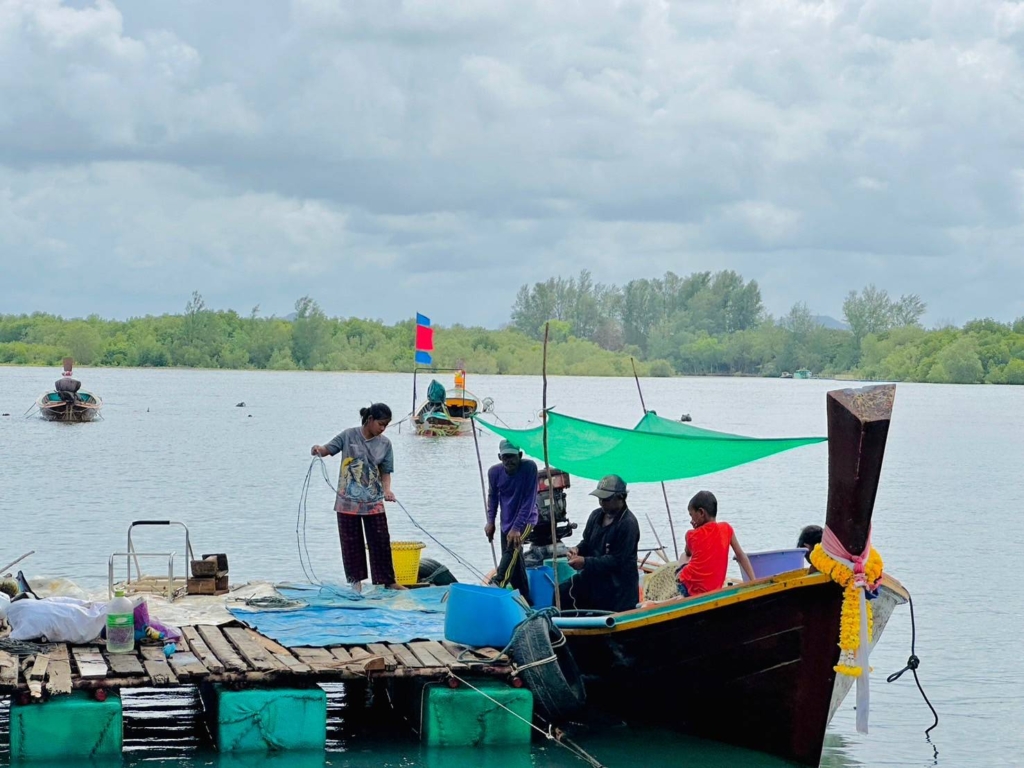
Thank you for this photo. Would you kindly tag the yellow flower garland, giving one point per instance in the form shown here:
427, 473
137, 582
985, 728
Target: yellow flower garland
849, 622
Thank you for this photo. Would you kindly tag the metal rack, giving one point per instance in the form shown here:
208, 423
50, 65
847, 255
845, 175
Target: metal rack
171, 587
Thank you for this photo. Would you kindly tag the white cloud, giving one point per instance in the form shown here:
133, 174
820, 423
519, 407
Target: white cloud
260, 151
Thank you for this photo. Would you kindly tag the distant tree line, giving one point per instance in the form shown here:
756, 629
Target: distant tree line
704, 323
715, 323
201, 337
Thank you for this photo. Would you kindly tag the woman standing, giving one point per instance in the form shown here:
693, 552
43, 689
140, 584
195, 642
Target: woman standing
364, 484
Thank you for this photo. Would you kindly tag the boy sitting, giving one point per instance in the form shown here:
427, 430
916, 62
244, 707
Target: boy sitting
706, 557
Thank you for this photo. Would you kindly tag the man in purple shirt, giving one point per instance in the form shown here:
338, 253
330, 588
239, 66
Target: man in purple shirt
512, 485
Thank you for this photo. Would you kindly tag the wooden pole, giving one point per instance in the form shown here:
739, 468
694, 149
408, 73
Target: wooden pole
547, 470
12, 564
415, 370
483, 489
664, 492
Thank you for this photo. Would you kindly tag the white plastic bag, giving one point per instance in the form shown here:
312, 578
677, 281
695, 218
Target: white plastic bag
58, 619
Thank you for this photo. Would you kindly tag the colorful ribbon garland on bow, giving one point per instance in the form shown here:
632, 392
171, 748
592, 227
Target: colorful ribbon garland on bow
855, 574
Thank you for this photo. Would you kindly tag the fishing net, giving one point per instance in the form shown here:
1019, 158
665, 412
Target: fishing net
657, 449
435, 392
662, 583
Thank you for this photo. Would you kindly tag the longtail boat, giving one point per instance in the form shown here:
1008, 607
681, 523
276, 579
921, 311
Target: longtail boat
69, 406
447, 412
756, 664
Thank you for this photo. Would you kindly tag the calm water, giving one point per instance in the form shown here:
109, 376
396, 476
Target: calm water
173, 445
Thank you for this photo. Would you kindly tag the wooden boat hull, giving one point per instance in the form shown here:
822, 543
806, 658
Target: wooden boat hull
750, 666
443, 427
86, 407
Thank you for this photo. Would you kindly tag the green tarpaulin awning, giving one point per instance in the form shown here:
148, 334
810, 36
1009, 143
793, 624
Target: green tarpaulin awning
655, 450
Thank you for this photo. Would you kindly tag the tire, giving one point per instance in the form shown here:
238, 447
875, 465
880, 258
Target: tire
433, 572
557, 687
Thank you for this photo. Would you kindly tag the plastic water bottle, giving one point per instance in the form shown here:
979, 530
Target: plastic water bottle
120, 624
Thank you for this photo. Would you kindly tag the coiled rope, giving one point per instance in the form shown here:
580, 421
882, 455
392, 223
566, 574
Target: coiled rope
300, 529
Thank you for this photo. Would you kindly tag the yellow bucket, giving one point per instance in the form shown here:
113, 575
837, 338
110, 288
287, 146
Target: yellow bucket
406, 557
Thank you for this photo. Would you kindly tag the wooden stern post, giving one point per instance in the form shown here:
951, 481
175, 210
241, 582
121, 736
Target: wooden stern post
858, 425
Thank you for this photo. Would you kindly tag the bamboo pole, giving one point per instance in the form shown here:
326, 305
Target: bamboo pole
15, 562
547, 470
664, 493
483, 489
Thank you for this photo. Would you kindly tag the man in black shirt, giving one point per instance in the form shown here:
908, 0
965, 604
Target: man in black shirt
608, 578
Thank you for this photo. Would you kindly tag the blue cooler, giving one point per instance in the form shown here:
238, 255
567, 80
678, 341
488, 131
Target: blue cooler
482, 616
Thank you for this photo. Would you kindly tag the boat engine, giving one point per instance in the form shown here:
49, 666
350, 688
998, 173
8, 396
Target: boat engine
540, 537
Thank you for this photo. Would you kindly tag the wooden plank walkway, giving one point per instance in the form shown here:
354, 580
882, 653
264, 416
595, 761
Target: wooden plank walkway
238, 655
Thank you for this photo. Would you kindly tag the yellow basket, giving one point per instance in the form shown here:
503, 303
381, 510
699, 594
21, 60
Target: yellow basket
406, 557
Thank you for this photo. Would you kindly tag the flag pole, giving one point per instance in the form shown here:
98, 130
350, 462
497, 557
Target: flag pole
664, 493
547, 470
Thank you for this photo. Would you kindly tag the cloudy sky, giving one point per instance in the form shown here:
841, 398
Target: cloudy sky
397, 156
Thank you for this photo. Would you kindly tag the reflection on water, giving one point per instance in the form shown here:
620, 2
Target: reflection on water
173, 445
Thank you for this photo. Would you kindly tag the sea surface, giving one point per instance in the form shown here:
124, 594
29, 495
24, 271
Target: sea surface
176, 444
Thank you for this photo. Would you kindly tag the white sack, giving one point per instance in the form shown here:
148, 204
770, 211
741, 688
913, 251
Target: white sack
58, 619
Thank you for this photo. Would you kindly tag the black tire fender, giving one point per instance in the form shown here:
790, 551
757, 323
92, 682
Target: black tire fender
557, 686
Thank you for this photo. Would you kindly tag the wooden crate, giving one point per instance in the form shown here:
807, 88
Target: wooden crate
208, 585
205, 567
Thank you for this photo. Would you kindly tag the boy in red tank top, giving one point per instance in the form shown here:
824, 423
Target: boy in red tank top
706, 557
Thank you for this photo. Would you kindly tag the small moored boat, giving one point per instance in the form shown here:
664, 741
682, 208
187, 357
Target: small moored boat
69, 406
447, 412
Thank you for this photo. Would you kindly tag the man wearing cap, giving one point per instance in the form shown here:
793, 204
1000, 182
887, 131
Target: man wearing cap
606, 557
512, 485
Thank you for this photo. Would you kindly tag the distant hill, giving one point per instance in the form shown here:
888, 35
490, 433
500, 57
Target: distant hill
831, 322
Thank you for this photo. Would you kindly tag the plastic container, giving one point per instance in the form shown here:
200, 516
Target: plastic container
776, 561
542, 586
482, 616
406, 557
120, 624
462, 717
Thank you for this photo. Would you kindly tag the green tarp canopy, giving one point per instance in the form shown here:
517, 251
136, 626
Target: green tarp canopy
656, 449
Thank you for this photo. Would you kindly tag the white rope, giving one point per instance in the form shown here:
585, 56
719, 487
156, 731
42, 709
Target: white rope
547, 734
517, 669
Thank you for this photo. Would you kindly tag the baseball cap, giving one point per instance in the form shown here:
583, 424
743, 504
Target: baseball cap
506, 448
609, 486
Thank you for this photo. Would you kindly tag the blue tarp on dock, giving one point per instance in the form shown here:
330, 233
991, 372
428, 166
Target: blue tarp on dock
336, 615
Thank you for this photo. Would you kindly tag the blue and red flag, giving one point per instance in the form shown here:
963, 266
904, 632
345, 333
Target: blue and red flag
424, 340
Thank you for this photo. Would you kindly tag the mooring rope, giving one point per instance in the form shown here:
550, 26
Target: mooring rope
300, 529
912, 664
551, 734
462, 561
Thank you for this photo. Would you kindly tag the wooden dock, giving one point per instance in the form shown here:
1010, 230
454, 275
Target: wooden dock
236, 655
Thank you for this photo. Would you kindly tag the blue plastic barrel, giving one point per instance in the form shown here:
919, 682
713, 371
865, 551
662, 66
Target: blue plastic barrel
542, 586
482, 616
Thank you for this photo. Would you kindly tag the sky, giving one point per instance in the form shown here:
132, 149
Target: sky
397, 156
